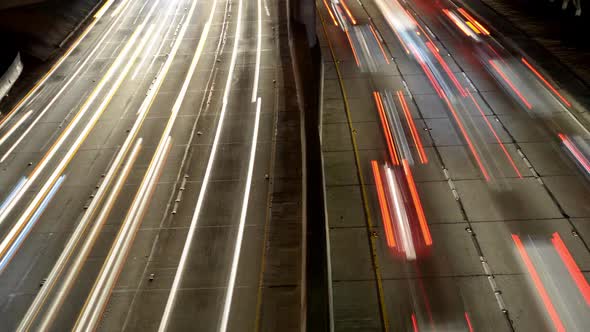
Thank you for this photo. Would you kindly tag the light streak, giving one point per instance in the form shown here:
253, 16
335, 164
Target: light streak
417, 204
258, 51
12, 194
330, 12
469, 326
103, 9
415, 323
27, 229
15, 126
509, 82
538, 284
379, 43
460, 24
413, 130
572, 267
386, 131
352, 19
82, 254
356, 59
536, 72
191, 232
508, 156
402, 217
385, 214
473, 21
575, 152
242, 224
446, 68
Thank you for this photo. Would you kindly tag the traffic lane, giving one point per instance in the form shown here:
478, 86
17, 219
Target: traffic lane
528, 210
225, 187
92, 154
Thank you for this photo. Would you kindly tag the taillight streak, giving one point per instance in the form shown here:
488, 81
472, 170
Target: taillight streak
575, 152
417, 204
352, 19
446, 68
473, 21
412, 126
330, 12
379, 43
509, 82
356, 59
386, 131
508, 156
538, 284
385, 213
469, 326
571, 266
529, 66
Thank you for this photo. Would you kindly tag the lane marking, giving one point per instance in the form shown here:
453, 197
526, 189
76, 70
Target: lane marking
242, 224
364, 196
188, 242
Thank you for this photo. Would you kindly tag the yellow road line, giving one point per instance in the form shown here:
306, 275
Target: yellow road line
370, 228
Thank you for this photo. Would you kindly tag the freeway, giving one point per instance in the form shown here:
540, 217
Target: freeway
456, 175
138, 174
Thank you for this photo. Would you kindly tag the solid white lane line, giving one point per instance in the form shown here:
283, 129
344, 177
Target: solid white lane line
258, 51
238, 246
191, 232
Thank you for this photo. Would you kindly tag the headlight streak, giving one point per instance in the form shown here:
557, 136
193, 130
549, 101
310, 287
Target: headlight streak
405, 233
17, 227
15, 127
12, 194
27, 229
82, 254
397, 128
171, 301
96, 301
473, 21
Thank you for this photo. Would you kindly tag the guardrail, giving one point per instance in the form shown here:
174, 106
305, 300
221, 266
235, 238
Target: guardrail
10, 76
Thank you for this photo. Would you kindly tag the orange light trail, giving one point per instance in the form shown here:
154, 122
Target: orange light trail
379, 43
526, 102
469, 143
385, 214
538, 284
446, 67
457, 23
353, 50
412, 126
417, 203
572, 267
348, 11
546, 82
512, 163
574, 150
474, 21
386, 131
469, 326
330, 12
470, 25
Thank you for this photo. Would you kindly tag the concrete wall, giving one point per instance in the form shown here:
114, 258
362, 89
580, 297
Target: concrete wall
10, 76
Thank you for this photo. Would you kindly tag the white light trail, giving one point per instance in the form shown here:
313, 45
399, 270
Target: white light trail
191, 232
